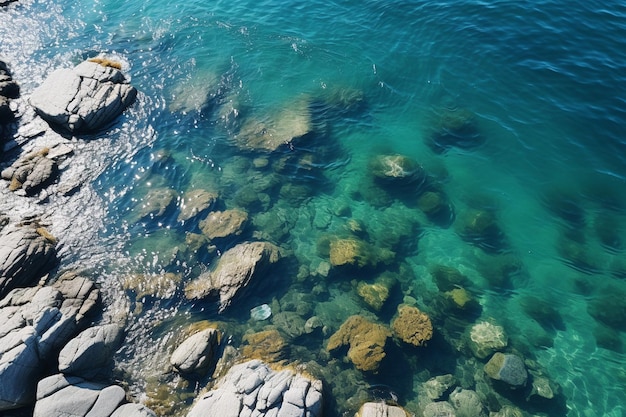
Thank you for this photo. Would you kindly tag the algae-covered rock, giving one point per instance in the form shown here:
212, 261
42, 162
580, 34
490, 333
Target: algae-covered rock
412, 326
366, 341
267, 345
507, 368
376, 294
486, 338
221, 224
234, 271
356, 252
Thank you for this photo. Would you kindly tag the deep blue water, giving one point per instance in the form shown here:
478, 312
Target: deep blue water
542, 80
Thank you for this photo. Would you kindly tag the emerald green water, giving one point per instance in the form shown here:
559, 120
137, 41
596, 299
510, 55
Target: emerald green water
540, 81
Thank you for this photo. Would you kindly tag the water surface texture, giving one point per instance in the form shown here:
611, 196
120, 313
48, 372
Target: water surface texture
515, 111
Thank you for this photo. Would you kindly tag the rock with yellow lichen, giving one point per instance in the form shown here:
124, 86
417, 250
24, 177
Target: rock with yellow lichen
366, 341
412, 326
355, 252
268, 345
377, 293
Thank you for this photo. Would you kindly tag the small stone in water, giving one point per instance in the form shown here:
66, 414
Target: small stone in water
261, 312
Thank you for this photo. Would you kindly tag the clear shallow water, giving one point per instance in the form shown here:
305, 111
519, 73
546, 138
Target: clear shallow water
543, 80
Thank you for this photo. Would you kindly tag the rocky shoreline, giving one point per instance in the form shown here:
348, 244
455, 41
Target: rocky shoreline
57, 345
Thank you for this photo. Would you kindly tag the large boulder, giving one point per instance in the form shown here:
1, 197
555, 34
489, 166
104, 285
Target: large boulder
84, 98
196, 353
366, 341
254, 389
89, 352
234, 271
34, 324
27, 252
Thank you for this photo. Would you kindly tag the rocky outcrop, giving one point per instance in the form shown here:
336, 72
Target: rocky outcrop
507, 368
366, 341
196, 353
59, 395
27, 252
89, 352
412, 326
35, 324
234, 271
84, 98
254, 389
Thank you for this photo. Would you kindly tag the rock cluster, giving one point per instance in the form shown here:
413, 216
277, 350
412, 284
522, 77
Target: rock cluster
36, 323
254, 389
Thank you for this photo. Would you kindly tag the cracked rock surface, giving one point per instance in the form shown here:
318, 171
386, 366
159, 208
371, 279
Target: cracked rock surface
34, 324
84, 98
253, 389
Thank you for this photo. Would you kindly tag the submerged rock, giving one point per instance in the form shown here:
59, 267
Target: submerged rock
376, 294
254, 389
276, 130
195, 202
467, 403
486, 338
157, 202
412, 326
355, 252
507, 368
84, 98
396, 168
436, 387
439, 409
366, 341
234, 271
381, 409
221, 224
267, 345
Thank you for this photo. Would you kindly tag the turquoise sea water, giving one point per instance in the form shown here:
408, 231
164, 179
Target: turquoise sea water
543, 82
